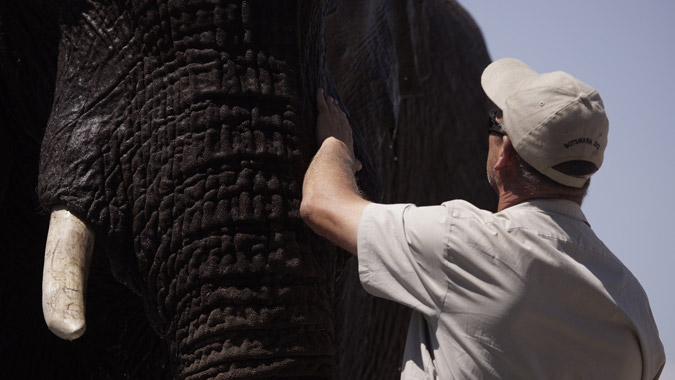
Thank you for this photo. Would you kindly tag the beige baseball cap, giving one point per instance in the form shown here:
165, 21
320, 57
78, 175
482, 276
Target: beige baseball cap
551, 118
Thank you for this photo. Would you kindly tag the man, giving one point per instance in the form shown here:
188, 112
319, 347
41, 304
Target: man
528, 292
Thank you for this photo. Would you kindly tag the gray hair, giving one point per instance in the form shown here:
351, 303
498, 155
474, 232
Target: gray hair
533, 182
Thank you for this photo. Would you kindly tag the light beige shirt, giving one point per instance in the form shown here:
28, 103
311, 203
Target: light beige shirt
526, 293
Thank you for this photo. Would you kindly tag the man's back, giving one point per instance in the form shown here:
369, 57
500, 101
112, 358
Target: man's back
527, 293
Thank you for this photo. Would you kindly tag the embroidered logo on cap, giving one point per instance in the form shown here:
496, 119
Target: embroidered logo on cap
582, 140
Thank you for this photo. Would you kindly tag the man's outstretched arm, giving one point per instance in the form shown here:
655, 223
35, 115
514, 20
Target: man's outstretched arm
331, 203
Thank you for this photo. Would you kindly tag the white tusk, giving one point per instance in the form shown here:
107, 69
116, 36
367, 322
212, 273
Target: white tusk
70, 243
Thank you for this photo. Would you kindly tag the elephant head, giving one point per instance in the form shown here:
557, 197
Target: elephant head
179, 136
178, 140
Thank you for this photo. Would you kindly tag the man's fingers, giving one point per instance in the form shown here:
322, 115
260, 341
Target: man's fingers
332, 106
332, 121
321, 101
326, 103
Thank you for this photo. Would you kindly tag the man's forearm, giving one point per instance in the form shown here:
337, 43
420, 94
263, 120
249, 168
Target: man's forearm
331, 170
331, 204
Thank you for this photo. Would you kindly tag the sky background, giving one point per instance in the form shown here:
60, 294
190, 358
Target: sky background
626, 50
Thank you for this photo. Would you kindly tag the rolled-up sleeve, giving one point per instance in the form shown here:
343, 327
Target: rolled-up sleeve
401, 253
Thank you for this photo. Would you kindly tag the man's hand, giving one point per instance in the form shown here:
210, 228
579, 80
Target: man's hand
331, 204
332, 122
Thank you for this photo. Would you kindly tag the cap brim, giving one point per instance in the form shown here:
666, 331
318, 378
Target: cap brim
502, 77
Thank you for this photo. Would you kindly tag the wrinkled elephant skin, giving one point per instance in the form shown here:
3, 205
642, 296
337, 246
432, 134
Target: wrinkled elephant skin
182, 131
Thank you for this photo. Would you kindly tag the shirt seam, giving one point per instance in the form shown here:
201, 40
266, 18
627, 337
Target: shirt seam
483, 223
580, 247
446, 259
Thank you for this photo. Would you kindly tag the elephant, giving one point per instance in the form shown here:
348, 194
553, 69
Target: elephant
177, 133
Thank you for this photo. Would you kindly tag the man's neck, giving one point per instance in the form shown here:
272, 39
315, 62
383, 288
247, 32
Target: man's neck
508, 199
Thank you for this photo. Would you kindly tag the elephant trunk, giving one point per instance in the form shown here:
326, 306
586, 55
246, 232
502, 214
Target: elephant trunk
234, 282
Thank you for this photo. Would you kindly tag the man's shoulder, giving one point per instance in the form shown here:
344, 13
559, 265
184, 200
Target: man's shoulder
459, 208
456, 208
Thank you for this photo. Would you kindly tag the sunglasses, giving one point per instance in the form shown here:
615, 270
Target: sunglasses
496, 127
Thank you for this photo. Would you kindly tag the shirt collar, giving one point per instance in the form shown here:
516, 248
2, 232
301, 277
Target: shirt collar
558, 206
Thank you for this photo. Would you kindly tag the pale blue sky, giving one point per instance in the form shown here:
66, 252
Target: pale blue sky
625, 49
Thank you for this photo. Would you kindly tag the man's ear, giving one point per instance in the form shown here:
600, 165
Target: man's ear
507, 155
